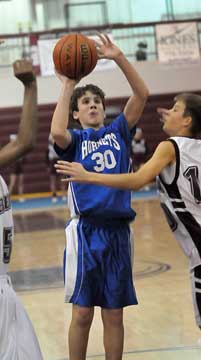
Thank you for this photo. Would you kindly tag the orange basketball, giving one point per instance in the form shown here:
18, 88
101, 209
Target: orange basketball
75, 55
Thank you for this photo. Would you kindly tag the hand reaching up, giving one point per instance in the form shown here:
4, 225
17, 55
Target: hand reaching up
23, 70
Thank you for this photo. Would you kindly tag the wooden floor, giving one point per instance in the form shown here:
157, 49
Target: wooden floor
161, 327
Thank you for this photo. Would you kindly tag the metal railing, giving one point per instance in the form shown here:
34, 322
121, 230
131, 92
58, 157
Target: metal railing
126, 36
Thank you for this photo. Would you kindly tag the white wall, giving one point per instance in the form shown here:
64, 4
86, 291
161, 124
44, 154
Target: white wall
161, 79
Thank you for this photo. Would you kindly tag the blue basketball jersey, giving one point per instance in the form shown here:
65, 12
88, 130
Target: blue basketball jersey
107, 151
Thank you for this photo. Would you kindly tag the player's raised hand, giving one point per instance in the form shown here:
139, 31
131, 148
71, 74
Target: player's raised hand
106, 49
23, 70
66, 80
74, 170
1, 41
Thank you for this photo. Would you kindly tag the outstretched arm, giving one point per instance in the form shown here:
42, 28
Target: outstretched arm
164, 155
136, 102
26, 136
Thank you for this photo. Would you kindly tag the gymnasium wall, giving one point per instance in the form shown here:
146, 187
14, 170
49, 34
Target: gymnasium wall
160, 78
35, 168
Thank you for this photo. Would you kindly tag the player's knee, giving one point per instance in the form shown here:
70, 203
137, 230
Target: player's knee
113, 317
83, 316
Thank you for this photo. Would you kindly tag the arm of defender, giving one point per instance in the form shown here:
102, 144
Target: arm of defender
27, 129
163, 155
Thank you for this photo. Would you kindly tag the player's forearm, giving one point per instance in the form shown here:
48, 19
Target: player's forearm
137, 84
120, 181
60, 117
27, 130
12, 151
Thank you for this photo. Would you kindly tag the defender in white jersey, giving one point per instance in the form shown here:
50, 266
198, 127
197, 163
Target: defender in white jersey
17, 337
177, 162
98, 256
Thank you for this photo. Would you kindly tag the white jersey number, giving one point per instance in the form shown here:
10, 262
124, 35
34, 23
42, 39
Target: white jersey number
105, 160
191, 174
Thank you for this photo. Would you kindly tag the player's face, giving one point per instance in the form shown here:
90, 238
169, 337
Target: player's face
174, 120
90, 112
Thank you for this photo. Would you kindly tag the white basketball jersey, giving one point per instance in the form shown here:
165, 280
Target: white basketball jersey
179, 187
17, 336
6, 227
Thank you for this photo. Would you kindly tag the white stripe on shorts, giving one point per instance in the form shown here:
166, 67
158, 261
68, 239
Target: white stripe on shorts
71, 258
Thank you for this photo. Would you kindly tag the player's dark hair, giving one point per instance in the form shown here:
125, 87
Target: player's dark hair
192, 108
80, 91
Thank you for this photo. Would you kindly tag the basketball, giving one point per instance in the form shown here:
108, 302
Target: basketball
75, 55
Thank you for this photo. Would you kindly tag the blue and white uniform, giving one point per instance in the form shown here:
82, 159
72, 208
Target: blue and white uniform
98, 259
179, 187
17, 336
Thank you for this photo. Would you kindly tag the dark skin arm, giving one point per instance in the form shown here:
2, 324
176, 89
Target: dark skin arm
26, 136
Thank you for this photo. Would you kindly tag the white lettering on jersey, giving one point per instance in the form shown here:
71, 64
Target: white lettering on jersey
90, 146
84, 149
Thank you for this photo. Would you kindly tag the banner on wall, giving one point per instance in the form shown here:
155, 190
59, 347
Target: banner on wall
177, 42
45, 50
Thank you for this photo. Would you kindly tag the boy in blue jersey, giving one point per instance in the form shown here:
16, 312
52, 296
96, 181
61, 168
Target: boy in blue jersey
98, 255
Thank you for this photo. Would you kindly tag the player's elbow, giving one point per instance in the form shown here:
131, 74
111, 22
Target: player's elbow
145, 94
31, 146
60, 138
27, 146
56, 134
57, 137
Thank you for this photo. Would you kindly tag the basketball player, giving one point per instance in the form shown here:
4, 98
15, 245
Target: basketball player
17, 337
97, 261
139, 149
177, 162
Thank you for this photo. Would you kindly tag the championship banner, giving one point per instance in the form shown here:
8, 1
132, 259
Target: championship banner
45, 50
177, 42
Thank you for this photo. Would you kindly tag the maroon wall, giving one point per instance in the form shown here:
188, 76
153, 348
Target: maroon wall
35, 168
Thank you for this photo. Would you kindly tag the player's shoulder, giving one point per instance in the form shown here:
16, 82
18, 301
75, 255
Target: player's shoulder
166, 150
119, 124
165, 145
118, 118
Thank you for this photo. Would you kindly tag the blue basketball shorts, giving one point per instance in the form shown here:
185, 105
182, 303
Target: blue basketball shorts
98, 264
